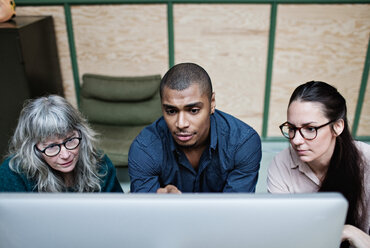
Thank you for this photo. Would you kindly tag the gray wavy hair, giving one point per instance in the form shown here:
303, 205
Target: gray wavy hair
49, 117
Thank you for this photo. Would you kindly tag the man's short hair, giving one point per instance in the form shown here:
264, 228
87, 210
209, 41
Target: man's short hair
182, 76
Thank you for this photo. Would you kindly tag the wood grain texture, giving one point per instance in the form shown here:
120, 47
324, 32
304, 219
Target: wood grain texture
230, 42
121, 40
313, 42
364, 125
62, 42
319, 42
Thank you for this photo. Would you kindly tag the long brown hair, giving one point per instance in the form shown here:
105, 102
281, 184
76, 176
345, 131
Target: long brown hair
345, 173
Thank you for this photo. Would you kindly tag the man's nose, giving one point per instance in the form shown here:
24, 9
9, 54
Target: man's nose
182, 121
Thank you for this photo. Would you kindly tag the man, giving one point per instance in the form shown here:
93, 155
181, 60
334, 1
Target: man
193, 147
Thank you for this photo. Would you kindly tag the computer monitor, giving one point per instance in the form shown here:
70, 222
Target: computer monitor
186, 221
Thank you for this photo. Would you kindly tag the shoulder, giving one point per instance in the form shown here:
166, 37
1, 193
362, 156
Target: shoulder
12, 181
364, 149
105, 164
6, 171
285, 155
228, 122
233, 128
282, 163
4, 167
152, 134
151, 144
107, 171
282, 159
279, 175
362, 146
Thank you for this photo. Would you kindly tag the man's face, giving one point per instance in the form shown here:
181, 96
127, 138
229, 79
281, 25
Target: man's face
187, 114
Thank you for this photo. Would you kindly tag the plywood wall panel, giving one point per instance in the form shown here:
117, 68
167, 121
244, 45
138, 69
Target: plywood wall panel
230, 42
313, 42
364, 125
318, 42
121, 40
62, 42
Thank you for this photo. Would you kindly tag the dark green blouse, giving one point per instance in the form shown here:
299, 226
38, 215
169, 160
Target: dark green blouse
11, 181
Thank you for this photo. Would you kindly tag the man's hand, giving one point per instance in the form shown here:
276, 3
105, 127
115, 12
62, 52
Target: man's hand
169, 189
356, 237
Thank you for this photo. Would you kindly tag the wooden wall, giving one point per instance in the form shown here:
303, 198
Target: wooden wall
230, 42
313, 42
319, 42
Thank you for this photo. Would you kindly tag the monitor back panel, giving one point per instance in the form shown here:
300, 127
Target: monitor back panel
174, 221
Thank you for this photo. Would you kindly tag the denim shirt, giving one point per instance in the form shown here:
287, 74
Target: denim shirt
229, 164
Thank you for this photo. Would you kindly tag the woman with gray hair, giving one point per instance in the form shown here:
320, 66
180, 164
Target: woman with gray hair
53, 150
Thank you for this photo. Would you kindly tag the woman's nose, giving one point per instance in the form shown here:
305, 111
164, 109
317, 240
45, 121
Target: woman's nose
64, 152
298, 138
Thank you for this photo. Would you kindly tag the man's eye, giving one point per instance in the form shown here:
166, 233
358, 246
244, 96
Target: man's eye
194, 110
170, 111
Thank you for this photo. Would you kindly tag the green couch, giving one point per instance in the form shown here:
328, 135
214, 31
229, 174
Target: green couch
118, 108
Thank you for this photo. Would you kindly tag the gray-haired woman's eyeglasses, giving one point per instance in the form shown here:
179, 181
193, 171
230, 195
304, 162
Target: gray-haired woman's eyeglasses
54, 149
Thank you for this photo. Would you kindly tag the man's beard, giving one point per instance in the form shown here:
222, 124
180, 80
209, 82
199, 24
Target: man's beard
187, 147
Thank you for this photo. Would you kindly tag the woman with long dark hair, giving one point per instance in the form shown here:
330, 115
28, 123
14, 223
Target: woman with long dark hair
323, 157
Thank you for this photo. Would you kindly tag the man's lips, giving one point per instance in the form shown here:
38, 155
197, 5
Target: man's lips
184, 136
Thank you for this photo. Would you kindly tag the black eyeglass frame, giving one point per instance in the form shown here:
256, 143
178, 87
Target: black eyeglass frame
59, 145
299, 129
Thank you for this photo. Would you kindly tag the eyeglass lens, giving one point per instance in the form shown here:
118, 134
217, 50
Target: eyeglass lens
306, 132
70, 144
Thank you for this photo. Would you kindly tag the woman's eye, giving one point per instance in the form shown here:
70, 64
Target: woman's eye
310, 129
291, 129
71, 140
51, 146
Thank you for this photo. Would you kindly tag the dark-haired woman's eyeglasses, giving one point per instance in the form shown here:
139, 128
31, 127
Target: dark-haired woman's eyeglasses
54, 149
308, 132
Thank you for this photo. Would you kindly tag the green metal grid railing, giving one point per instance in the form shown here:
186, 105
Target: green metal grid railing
171, 46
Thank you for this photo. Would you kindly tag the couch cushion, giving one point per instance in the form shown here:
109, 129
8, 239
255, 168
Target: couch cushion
111, 88
121, 113
115, 141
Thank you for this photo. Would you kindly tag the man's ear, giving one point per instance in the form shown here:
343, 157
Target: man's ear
213, 103
338, 127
